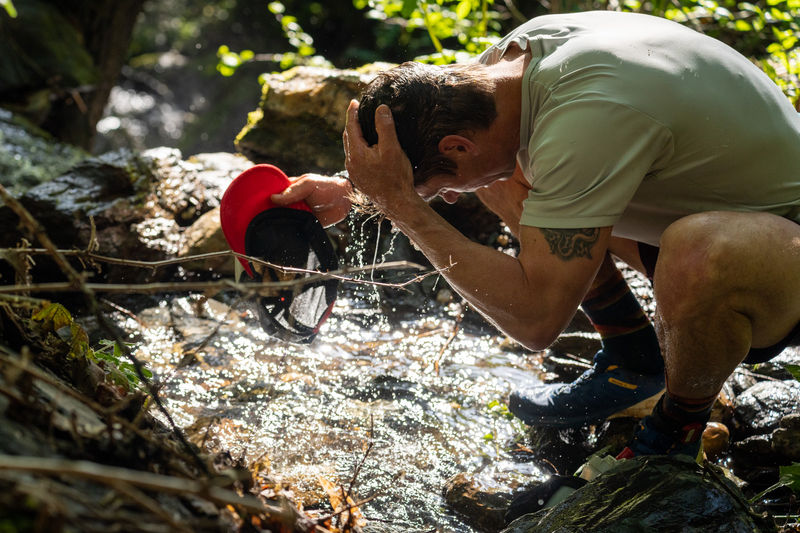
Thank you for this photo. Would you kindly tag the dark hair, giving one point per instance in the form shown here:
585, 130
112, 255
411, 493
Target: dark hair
429, 102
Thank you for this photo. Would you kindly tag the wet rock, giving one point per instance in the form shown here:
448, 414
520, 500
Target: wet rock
564, 448
30, 156
722, 411
786, 439
140, 205
654, 493
483, 507
582, 344
614, 434
205, 236
760, 408
187, 189
754, 450
716, 438
299, 122
742, 379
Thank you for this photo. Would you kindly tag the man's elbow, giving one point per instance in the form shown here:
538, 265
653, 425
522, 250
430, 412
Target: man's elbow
536, 337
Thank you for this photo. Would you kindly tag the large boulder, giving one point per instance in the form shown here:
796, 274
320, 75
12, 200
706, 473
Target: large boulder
29, 155
299, 122
133, 206
655, 493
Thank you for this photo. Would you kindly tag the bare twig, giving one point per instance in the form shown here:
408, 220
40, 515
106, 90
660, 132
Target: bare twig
88, 255
113, 475
265, 288
449, 340
363, 458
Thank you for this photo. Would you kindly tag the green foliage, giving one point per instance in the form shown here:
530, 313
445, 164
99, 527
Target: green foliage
303, 44
789, 477
121, 371
794, 370
55, 318
9, 7
468, 23
499, 409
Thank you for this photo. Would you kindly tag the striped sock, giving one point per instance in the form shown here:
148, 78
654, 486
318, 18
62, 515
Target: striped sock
686, 417
624, 328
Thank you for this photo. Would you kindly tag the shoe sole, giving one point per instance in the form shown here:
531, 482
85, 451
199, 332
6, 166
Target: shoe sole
639, 410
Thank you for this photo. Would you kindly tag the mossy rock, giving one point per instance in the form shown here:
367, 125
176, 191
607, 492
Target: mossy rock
299, 122
29, 156
656, 493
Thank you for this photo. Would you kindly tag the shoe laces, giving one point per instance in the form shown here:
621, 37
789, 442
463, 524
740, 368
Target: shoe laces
600, 364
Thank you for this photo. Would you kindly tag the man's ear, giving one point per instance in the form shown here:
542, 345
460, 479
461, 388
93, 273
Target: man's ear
456, 145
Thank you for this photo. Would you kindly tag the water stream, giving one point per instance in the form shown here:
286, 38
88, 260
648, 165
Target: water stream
367, 383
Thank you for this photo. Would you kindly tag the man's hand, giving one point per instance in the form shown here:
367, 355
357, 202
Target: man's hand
382, 171
326, 196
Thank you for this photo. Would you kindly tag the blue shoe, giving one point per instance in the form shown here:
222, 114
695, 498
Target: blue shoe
601, 391
653, 437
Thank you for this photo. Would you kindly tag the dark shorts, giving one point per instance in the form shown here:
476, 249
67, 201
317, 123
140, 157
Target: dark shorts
649, 255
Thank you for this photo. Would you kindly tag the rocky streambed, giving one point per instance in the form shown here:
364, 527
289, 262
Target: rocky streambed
398, 405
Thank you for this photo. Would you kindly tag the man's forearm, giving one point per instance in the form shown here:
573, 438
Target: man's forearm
494, 283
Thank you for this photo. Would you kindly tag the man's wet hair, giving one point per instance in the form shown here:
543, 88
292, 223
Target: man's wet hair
429, 102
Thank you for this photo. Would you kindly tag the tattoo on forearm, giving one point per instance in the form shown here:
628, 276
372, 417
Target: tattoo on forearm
571, 243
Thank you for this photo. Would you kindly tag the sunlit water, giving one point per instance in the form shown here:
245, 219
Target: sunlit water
365, 384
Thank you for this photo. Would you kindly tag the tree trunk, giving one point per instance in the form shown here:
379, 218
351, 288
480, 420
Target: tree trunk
107, 26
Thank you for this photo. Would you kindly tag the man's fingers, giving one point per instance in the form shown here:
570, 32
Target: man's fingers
384, 125
352, 130
297, 191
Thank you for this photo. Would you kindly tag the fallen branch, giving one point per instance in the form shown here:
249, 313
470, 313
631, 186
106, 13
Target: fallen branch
113, 475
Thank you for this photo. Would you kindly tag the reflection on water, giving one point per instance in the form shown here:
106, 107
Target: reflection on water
310, 411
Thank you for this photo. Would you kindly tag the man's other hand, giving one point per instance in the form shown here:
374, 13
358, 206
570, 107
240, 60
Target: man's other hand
328, 197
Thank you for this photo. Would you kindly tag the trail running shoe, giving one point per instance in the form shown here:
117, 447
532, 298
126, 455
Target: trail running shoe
654, 437
601, 391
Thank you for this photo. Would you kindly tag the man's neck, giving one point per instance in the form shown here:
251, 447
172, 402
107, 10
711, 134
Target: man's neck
507, 75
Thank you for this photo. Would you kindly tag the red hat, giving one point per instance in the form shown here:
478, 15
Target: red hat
288, 236
247, 196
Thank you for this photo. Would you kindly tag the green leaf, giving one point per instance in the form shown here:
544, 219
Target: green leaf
743, 25
794, 370
488, 437
10, 9
463, 9
790, 476
409, 6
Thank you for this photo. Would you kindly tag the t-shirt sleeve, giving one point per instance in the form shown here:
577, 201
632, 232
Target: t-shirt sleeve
587, 158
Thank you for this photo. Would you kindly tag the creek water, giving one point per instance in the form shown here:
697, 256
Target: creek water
363, 401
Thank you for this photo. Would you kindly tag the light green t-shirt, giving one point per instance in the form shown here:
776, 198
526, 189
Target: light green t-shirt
634, 121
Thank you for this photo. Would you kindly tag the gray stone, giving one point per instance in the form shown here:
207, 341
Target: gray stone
655, 493
205, 236
482, 505
759, 409
786, 439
